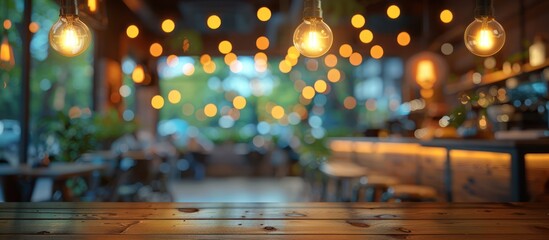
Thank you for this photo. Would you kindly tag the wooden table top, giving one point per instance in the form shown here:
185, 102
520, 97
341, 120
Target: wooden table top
314, 221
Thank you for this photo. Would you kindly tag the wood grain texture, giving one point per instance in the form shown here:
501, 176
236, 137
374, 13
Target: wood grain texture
275, 214
275, 237
305, 221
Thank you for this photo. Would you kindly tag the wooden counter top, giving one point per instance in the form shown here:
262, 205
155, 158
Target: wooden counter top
274, 220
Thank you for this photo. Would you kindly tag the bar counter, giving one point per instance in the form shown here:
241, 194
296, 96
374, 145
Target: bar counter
460, 169
108, 221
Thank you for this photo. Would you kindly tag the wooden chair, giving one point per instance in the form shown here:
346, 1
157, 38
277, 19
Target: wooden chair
374, 186
342, 173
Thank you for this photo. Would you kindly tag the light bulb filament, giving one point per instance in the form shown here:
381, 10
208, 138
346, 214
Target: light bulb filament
485, 37
69, 39
312, 41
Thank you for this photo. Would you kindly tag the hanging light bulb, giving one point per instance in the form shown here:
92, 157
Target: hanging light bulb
484, 37
69, 36
7, 60
313, 38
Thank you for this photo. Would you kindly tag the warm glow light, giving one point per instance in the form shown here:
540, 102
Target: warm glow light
236, 66
7, 24
334, 75
239, 102
484, 37
355, 59
425, 75
260, 56
230, 58
213, 22
293, 52
262, 43
277, 112
205, 58
366, 36
446, 16
393, 11
172, 60
403, 39
264, 14
157, 102
174, 96
34, 27
308, 92
209, 67
320, 86
210, 110
330, 60
168, 25
7, 60
92, 5
358, 21
188, 69
376, 52
345, 50
155, 50
225, 47
285, 66
349, 102
132, 31
138, 74
69, 36
313, 38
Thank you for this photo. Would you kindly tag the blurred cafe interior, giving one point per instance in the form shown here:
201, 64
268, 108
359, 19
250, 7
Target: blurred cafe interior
274, 101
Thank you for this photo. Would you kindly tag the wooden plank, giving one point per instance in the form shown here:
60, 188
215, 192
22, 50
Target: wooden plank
244, 227
147, 205
275, 214
274, 237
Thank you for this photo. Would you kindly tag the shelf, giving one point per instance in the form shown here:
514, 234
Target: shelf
491, 78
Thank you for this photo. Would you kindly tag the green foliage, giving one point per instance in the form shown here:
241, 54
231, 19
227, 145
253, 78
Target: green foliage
110, 126
74, 135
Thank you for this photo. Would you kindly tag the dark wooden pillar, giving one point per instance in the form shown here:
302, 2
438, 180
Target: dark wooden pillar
24, 118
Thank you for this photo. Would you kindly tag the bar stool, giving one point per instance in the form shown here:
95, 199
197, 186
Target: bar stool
374, 186
410, 193
342, 173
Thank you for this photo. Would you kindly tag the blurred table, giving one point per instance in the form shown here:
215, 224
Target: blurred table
274, 221
58, 172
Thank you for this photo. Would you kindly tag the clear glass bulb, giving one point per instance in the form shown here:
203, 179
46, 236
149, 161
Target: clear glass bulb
484, 37
70, 36
313, 38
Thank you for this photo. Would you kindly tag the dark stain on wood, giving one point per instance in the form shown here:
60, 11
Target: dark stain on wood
543, 228
442, 213
295, 214
386, 216
404, 230
270, 228
240, 224
519, 213
188, 210
357, 224
43, 232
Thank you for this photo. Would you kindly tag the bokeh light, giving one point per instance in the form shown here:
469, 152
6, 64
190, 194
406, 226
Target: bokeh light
262, 43
358, 21
320, 86
345, 50
349, 102
330, 60
225, 47
264, 14
393, 11
210, 110
366, 36
355, 59
403, 39
446, 16
168, 25
277, 112
174, 96
132, 31
376, 52
334, 75
239, 102
157, 102
308, 92
156, 49
213, 22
